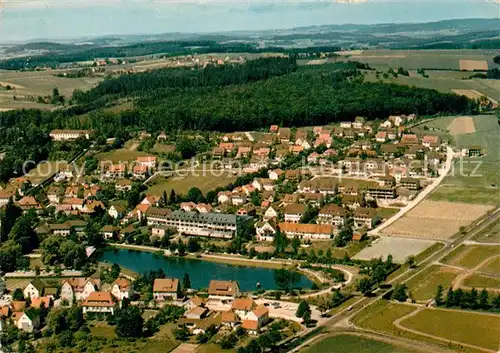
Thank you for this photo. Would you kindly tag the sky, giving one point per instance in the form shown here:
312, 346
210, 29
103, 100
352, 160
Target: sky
23, 20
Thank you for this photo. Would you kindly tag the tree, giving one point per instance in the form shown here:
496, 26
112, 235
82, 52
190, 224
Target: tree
280, 242
364, 285
302, 309
172, 199
496, 59
193, 245
186, 282
285, 280
18, 294
195, 195
410, 261
484, 300
8, 217
181, 334
181, 248
438, 298
399, 293
295, 244
23, 233
129, 322
307, 317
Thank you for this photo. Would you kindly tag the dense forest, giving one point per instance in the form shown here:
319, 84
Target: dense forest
223, 98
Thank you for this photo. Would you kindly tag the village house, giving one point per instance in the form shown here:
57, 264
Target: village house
27, 321
225, 291
332, 214
271, 212
381, 136
147, 161
409, 139
432, 142
325, 186
34, 289
294, 212
38, 302
265, 230
358, 123
243, 152
166, 289
229, 319
123, 185
196, 313
381, 192
306, 231
194, 302
255, 320
365, 217
100, 303
275, 174
109, 231
346, 124
78, 288
314, 199
115, 171
122, 288
274, 129
140, 171
352, 201
243, 306
284, 134
29, 202
263, 184
117, 211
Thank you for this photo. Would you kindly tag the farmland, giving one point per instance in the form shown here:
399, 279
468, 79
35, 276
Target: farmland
456, 326
471, 256
491, 235
38, 83
436, 220
354, 344
480, 281
423, 286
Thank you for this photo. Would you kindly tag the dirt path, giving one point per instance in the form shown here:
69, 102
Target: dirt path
398, 325
458, 282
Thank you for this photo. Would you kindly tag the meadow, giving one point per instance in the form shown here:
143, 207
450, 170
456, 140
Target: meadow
354, 344
456, 326
38, 83
471, 256
424, 285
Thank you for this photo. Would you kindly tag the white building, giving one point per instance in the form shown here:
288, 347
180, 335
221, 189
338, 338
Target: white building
100, 303
78, 288
68, 135
165, 289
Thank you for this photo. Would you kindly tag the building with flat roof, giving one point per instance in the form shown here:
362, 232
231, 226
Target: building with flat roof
215, 225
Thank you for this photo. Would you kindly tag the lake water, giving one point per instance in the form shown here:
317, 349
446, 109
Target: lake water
200, 272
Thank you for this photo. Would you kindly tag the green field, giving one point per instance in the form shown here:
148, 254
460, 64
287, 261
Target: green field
424, 285
479, 281
121, 155
354, 344
476, 329
38, 83
473, 180
491, 235
426, 59
45, 170
492, 267
386, 213
181, 185
381, 315
471, 256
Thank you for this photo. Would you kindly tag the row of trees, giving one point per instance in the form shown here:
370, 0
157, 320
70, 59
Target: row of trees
376, 272
467, 299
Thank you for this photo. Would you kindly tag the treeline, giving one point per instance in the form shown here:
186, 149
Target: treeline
472, 299
211, 76
165, 48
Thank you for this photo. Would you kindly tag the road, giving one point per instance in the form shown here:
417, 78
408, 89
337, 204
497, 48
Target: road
443, 172
343, 318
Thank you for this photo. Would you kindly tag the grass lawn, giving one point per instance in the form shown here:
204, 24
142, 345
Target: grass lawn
424, 285
349, 250
471, 256
380, 316
121, 155
13, 283
480, 281
36, 261
181, 185
44, 170
353, 344
491, 235
476, 329
163, 148
386, 213
493, 266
